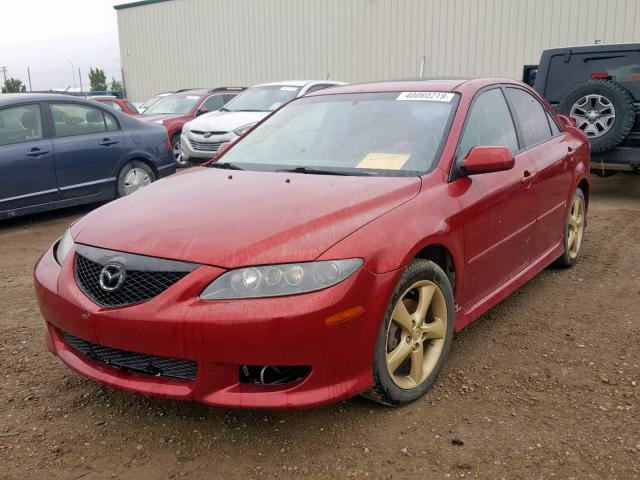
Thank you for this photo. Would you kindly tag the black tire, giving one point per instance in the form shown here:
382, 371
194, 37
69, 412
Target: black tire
384, 390
567, 259
180, 161
622, 102
121, 189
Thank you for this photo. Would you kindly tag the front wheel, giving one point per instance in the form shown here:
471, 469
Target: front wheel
176, 147
574, 230
415, 337
134, 176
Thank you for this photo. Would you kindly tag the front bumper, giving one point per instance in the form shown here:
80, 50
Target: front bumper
222, 336
197, 148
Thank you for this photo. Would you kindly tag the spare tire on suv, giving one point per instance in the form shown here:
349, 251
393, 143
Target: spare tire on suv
602, 109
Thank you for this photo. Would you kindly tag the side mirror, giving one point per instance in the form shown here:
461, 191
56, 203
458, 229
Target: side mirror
488, 159
567, 121
201, 111
223, 148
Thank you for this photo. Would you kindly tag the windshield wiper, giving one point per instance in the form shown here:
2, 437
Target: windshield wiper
225, 166
223, 109
319, 171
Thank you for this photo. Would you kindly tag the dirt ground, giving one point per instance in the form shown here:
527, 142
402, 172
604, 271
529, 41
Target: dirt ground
545, 385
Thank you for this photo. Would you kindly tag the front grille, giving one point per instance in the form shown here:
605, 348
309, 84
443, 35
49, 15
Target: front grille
145, 277
201, 132
205, 146
134, 362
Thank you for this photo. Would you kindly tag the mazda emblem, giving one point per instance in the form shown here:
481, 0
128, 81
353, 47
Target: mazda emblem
112, 277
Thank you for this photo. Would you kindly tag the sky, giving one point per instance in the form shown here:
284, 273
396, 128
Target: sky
49, 36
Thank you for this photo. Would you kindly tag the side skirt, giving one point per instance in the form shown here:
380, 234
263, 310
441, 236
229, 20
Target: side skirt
466, 315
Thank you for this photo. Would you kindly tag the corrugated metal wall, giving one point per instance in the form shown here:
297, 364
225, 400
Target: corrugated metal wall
201, 43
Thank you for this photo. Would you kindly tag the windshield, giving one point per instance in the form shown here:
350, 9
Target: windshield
262, 99
150, 102
391, 134
173, 105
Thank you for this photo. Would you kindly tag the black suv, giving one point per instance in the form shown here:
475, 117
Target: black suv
599, 87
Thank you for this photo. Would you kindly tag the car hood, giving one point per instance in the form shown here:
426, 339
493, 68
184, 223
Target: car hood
225, 121
236, 218
162, 118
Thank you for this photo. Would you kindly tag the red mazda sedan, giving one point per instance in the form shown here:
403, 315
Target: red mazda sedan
338, 247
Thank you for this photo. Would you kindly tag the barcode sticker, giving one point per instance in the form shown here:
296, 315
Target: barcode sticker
426, 96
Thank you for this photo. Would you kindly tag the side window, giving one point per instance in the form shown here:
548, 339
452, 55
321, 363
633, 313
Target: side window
213, 103
114, 105
20, 124
489, 124
75, 119
320, 86
110, 122
555, 130
530, 115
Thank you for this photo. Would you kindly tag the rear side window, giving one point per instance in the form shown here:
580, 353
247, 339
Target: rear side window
20, 124
530, 115
110, 122
489, 124
75, 119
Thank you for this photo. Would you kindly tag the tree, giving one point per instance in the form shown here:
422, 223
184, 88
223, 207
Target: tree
13, 85
116, 86
98, 80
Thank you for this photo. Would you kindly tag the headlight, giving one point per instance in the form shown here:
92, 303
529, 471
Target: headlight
279, 280
185, 128
244, 129
159, 122
64, 246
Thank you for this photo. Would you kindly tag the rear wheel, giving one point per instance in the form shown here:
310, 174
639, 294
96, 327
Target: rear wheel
415, 337
176, 147
574, 230
134, 176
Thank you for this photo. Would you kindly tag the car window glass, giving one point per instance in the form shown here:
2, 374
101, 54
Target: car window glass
131, 106
320, 86
530, 115
213, 103
76, 119
228, 98
110, 122
489, 124
114, 105
20, 124
555, 130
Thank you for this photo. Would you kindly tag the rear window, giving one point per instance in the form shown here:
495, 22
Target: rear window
623, 68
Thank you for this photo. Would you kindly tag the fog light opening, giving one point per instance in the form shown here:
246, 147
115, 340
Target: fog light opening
272, 374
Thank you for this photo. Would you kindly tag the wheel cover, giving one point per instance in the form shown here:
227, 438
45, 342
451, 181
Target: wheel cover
136, 179
416, 334
594, 114
177, 152
576, 227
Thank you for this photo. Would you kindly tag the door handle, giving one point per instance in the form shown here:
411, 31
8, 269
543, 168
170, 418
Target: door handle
527, 177
36, 152
107, 142
572, 152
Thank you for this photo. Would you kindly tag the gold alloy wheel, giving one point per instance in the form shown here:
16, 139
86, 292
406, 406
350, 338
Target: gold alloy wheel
416, 334
576, 226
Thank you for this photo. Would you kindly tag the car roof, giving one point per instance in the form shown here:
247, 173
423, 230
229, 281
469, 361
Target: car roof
298, 83
206, 91
14, 98
416, 85
598, 47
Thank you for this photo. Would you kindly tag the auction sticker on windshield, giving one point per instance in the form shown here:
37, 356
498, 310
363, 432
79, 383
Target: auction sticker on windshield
383, 161
426, 96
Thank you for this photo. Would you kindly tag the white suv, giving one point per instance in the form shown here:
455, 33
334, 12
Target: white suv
202, 136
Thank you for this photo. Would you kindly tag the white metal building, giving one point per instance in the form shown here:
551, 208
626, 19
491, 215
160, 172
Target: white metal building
172, 44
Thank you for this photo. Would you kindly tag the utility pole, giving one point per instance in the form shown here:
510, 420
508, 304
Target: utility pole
29, 76
80, 79
4, 72
73, 73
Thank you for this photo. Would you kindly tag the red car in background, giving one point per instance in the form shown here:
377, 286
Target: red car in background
336, 248
120, 104
173, 111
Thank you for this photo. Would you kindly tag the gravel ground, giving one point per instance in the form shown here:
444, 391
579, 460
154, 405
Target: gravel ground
545, 385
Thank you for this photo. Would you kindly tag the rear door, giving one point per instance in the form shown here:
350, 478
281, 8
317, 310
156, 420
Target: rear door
498, 208
27, 175
545, 145
87, 145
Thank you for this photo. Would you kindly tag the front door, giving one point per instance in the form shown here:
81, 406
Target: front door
27, 175
499, 208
